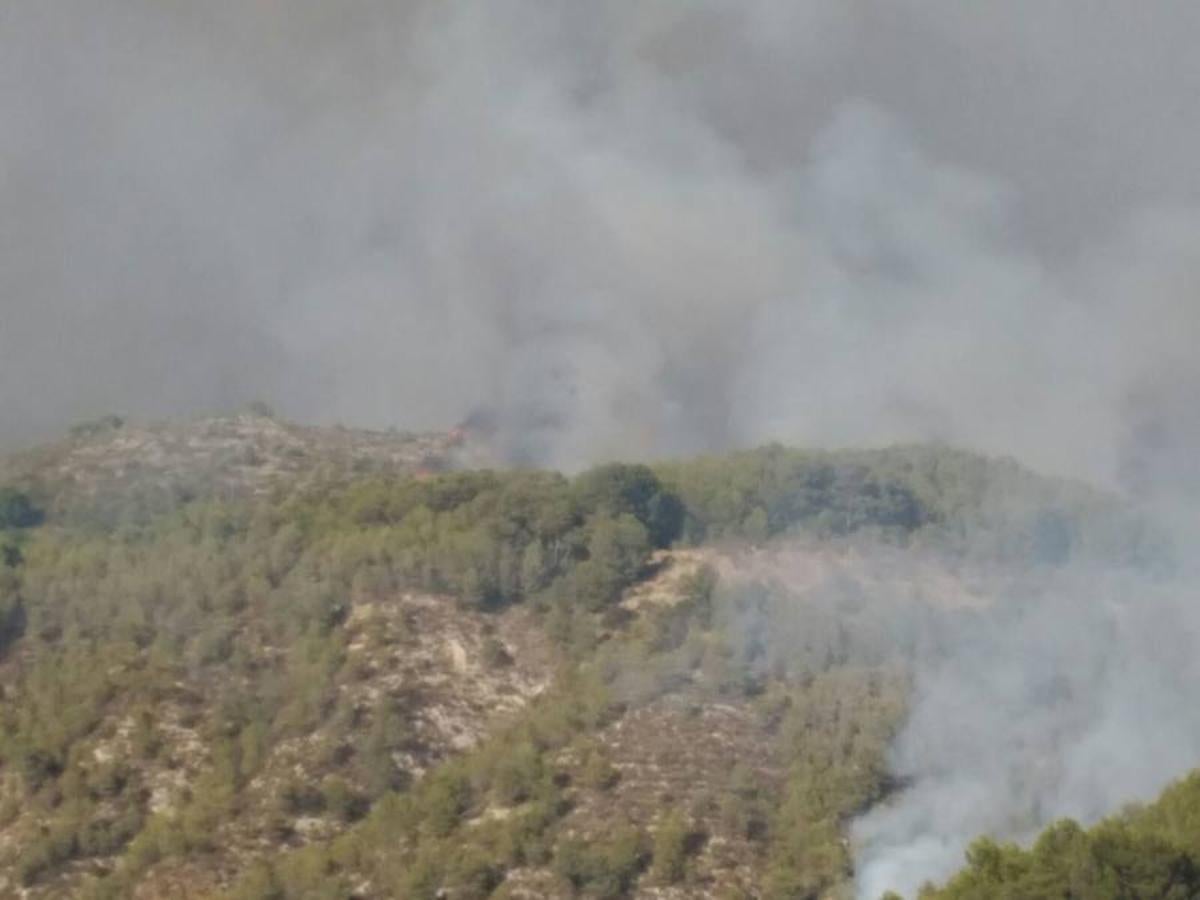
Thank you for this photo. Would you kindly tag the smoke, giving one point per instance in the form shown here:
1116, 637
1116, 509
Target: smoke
620, 229
1070, 699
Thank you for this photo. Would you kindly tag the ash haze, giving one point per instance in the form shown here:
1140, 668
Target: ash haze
638, 228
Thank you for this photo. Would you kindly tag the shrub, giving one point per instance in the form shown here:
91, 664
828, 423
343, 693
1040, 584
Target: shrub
444, 801
671, 844
603, 868
495, 654
341, 800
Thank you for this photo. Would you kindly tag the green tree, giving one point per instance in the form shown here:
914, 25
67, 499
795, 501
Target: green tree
17, 510
618, 489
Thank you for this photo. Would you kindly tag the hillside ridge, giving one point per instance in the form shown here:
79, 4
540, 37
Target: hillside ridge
367, 669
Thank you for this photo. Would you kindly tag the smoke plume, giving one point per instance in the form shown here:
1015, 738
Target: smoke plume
627, 229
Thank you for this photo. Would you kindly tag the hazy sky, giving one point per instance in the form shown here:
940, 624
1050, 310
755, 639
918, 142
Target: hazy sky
627, 228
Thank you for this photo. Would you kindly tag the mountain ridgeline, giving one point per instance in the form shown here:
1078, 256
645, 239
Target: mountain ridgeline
332, 676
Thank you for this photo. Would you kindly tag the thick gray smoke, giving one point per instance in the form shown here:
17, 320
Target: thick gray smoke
619, 228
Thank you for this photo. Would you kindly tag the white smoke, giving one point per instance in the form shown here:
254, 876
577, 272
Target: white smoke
1069, 699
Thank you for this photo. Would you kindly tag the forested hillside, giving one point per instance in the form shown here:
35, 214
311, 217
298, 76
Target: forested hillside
380, 682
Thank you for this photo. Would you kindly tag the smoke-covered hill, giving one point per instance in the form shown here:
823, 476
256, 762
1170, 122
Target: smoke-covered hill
335, 671
108, 468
